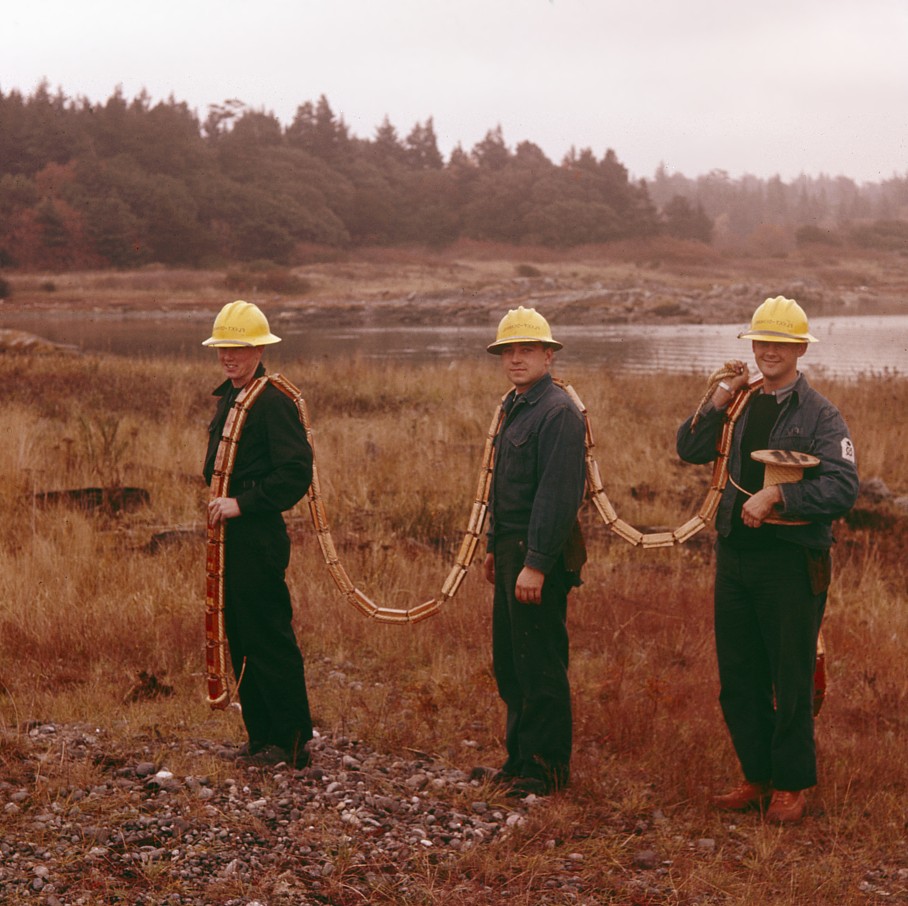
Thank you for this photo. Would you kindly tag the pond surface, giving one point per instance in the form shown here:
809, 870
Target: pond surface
848, 346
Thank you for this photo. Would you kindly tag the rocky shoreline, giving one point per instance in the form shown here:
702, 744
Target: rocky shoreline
569, 303
630, 295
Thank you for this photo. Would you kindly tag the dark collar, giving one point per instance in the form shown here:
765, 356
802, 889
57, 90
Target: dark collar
532, 396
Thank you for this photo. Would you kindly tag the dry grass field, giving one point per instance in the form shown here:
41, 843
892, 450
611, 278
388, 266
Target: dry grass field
87, 604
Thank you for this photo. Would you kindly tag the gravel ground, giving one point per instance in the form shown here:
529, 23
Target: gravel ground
88, 819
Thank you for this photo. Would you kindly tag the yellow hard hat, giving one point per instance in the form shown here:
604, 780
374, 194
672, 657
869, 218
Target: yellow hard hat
241, 324
779, 320
523, 325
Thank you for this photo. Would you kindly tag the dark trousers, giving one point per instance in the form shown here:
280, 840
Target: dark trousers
530, 656
767, 617
263, 649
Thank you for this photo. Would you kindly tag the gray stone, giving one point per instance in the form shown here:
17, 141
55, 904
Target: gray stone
874, 490
647, 859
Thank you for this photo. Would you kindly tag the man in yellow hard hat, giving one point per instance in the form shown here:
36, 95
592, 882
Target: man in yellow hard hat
773, 558
537, 488
272, 470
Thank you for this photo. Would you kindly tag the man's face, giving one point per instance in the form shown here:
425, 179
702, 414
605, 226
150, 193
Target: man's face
525, 363
778, 362
239, 363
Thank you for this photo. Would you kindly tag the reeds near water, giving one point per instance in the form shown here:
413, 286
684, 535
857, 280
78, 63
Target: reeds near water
87, 602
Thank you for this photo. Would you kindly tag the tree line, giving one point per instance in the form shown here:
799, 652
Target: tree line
771, 215
127, 182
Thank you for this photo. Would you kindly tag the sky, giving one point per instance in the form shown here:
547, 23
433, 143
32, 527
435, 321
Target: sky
775, 88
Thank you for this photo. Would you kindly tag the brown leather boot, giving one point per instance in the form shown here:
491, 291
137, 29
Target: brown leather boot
786, 807
744, 796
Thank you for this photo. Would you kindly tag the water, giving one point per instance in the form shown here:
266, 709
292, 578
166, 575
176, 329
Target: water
848, 346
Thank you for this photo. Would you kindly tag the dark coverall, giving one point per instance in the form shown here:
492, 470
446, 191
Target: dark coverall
272, 472
537, 489
771, 582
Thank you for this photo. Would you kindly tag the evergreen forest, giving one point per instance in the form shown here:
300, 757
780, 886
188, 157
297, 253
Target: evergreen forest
130, 182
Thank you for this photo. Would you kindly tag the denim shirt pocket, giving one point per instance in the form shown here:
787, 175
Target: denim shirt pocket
521, 455
791, 437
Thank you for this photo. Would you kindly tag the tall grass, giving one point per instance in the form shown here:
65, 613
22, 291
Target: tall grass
85, 605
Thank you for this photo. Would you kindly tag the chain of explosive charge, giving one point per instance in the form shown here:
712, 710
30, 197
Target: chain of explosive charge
216, 641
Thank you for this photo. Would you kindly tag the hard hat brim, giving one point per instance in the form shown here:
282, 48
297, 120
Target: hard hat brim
777, 336
224, 344
496, 347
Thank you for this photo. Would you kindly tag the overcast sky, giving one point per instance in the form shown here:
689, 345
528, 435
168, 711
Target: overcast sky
776, 87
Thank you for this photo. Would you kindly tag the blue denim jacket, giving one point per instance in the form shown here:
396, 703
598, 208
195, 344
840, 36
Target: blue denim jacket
808, 423
539, 472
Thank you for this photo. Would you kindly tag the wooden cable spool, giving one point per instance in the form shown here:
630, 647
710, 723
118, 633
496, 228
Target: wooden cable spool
783, 467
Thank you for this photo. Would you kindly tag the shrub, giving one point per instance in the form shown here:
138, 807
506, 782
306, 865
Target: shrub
770, 239
884, 235
271, 279
814, 235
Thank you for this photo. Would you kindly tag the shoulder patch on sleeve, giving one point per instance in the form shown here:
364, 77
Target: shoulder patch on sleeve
847, 449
